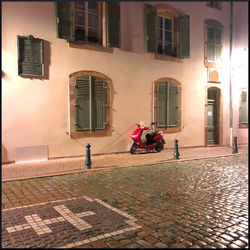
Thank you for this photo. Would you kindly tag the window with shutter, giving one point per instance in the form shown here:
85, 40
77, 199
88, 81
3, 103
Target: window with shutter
167, 104
166, 32
213, 42
89, 104
30, 56
82, 21
243, 113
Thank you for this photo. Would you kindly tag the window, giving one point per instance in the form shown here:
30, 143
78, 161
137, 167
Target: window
86, 21
166, 32
214, 4
89, 104
243, 108
165, 36
167, 104
213, 42
90, 101
30, 56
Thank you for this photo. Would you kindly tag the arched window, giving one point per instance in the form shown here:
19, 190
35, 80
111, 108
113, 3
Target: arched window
167, 104
89, 103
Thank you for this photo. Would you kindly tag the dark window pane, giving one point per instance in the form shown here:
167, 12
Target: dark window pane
159, 34
168, 36
93, 35
159, 48
92, 5
159, 22
93, 20
168, 24
79, 33
168, 49
79, 18
80, 5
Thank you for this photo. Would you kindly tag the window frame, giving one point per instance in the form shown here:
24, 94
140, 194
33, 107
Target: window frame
86, 17
163, 30
242, 124
73, 132
167, 129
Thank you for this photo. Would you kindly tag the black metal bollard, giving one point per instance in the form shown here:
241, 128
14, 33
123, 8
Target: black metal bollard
88, 160
235, 147
176, 152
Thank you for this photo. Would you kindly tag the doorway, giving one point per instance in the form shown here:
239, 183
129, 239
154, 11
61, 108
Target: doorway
213, 116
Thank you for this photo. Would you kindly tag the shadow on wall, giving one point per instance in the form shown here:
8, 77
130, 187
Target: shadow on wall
46, 63
4, 154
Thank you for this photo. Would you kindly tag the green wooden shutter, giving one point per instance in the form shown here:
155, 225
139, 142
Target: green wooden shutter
210, 43
214, 42
162, 93
98, 103
172, 120
64, 20
184, 36
82, 103
113, 24
30, 56
218, 42
150, 28
244, 107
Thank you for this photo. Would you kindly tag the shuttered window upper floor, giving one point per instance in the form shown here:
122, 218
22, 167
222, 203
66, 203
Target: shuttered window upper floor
92, 22
166, 31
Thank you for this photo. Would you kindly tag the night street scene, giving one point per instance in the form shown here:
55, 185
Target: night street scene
124, 124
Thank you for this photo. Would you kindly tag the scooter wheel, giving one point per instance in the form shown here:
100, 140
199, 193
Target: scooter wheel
133, 148
159, 146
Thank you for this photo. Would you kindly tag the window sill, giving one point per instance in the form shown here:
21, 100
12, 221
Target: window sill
85, 134
243, 125
167, 58
88, 46
212, 64
216, 82
169, 130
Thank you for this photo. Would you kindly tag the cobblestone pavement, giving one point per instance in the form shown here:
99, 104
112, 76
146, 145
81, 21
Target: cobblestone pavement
193, 204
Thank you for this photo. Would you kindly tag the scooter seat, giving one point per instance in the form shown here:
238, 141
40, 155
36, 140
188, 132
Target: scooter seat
153, 133
150, 137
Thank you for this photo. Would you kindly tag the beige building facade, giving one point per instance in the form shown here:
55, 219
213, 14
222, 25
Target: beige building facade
119, 78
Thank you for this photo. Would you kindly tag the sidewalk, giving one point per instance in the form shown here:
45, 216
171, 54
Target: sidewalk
14, 171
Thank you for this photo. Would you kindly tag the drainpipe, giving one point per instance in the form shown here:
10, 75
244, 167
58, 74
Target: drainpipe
230, 73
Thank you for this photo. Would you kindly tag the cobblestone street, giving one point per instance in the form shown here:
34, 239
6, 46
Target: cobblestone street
193, 204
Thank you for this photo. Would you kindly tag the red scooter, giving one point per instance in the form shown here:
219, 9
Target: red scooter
149, 141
